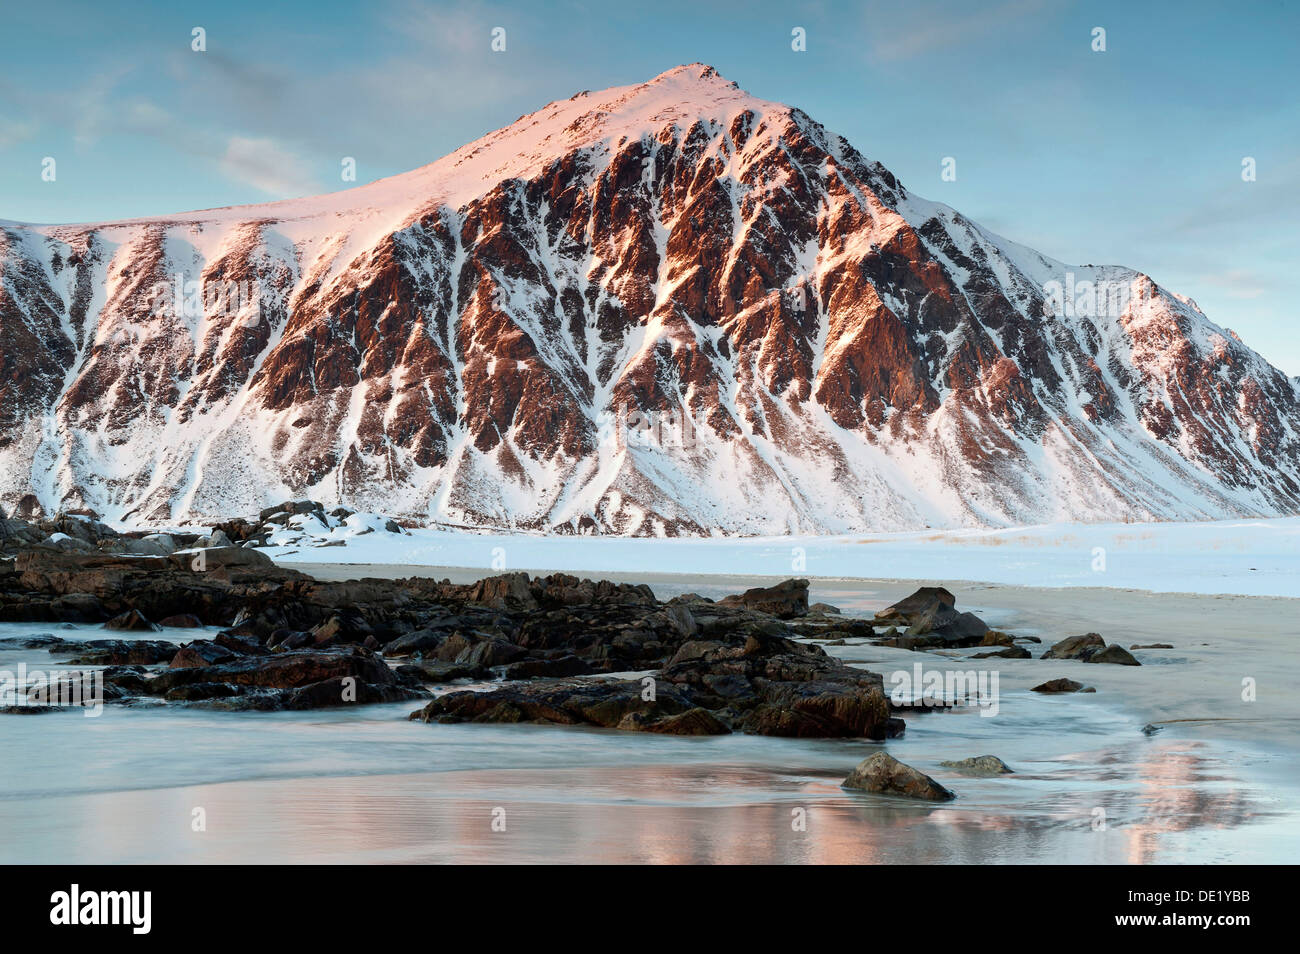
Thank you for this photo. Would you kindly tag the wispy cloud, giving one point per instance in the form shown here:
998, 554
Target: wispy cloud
903, 31
268, 166
12, 132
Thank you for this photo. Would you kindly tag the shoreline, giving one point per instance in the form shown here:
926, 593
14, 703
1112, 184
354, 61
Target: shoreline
341, 571
421, 790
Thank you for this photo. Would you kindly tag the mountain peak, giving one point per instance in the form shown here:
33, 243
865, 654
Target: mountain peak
693, 73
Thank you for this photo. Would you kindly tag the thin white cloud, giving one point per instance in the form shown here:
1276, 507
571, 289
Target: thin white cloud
268, 166
12, 132
903, 31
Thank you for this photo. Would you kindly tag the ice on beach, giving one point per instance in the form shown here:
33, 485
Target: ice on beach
1246, 557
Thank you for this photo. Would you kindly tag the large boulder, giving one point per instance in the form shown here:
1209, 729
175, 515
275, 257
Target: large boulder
883, 774
1091, 648
980, 765
1115, 654
926, 600
132, 620
1076, 647
507, 591
931, 619
1060, 685
785, 600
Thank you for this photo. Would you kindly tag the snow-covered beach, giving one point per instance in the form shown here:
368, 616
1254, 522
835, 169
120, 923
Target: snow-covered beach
1245, 557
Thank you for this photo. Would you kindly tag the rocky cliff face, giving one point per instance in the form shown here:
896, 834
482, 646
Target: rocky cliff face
667, 308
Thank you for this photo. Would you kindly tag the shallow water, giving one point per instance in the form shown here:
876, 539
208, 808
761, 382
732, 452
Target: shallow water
365, 784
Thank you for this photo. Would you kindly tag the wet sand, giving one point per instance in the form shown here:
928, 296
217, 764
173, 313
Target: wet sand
1218, 783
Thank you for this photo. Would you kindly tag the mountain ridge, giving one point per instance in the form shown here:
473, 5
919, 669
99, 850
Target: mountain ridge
799, 343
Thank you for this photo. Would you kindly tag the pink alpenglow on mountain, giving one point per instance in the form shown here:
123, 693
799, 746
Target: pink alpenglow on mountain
657, 309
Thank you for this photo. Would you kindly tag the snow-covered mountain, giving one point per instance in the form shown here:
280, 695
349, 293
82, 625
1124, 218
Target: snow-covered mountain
665, 308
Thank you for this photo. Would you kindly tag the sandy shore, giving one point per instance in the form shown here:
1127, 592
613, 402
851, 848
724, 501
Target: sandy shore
357, 784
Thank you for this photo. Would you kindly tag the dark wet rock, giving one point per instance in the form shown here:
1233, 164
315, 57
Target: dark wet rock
201, 691
749, 680
435, 671
980, 765
288, 670
932, 621
240, 645
823, 609
1152, 646
695, 721
966, 629
926, 600
785, 600
130, 680
46, 585
1151, 728
682, 619
426, 640
508, 591
833, 627
476, 649
283, 632
567, 665
132, 620
995, 637
181, 621
202, 653
288, 680
118, 652
338, 692
883, 774
1007, 652
342, 627
1115, 654
1059, 685
1091, 648
1076, 647
597, 703
32, 641
19, 709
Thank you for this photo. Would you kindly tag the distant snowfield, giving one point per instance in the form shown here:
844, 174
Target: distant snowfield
1245, 557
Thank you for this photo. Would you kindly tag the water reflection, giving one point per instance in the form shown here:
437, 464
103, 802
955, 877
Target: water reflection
1170, 803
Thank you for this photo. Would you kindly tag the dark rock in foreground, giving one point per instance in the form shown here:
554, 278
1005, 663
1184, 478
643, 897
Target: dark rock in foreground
883, 774
748, 679
292, 642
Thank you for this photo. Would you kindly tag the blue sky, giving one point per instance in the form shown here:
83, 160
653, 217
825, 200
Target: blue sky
1132, 156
